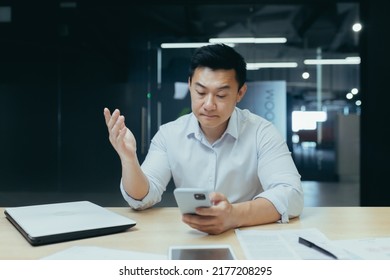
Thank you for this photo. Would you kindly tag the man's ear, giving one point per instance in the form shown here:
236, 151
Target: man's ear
241, 92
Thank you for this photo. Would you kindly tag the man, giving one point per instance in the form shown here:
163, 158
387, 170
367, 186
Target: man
237, 155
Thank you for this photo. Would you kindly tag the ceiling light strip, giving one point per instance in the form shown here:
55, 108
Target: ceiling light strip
183, 45
256, 66
187, 45
345, 61
249, 40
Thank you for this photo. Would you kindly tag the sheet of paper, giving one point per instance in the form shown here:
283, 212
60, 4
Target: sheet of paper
367, 248
284, 245
100, 253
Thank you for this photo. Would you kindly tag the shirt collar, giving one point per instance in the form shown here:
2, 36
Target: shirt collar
193, 128
232, 128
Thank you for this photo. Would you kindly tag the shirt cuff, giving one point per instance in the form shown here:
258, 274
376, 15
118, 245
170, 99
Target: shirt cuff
135, 203
280, 206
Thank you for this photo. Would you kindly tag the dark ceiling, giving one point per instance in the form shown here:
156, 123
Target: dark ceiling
305, 26
324, 24
114, 30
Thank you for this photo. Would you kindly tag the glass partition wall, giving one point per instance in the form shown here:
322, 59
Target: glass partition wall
313, 49
63, 63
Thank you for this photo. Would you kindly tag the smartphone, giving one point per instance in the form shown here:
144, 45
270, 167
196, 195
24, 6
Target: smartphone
188, 199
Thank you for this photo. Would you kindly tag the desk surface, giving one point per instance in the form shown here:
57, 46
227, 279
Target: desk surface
159, 228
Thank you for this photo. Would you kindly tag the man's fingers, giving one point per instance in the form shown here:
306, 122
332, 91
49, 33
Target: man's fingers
121, 134
107, 115
216, 197
111, 119
122, 124
116, 127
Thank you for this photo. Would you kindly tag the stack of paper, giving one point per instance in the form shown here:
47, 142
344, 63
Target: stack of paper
284, 245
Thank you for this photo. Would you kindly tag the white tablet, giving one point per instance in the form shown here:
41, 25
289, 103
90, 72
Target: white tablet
201, 252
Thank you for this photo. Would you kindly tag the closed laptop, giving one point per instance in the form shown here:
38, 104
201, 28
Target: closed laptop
58, 222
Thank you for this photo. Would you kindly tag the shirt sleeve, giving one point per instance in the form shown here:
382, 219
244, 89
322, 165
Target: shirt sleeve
278, 174
157, 171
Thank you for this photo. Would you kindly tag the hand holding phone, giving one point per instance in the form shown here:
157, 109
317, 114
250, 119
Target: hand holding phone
188, 199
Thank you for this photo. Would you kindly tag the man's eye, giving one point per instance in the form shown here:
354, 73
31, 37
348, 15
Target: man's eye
221, 96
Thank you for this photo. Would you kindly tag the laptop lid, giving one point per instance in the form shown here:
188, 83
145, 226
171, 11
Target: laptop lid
57, 222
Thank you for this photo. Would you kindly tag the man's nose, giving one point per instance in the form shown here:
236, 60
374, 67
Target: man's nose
210, 102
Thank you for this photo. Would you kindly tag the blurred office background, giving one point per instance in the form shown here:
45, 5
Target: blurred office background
62, 62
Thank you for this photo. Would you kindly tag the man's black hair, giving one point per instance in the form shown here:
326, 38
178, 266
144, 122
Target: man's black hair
219, 56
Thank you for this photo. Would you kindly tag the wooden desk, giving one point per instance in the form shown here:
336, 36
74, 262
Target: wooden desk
159, 228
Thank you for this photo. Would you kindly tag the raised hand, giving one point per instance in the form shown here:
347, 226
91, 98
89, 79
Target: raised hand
121, 138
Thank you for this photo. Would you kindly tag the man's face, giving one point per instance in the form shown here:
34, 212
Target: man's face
214, 95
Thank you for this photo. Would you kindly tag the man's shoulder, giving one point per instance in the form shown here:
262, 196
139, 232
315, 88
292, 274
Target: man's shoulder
184, 119
245, 115
174, 130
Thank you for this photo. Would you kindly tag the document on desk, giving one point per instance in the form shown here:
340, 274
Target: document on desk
367, 248
100, 253
284, 245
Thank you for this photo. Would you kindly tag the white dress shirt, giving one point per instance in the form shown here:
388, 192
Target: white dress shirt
250, 160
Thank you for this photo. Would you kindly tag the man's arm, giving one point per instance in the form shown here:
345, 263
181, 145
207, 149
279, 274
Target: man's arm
122, 139
255, 212
134, 180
